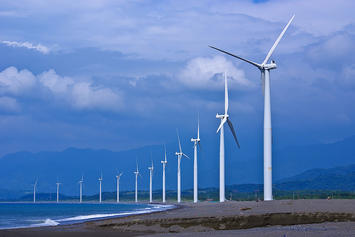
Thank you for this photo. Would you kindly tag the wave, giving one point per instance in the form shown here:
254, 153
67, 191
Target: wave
47, 222
82, 218
91, 217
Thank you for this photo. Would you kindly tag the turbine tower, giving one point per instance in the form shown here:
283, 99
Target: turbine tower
224, 118
58, 191
179, 155
81, 189
34, 190
265, 68
136, 187
118, 187
164, 162
196, 142
151, 183
100, 194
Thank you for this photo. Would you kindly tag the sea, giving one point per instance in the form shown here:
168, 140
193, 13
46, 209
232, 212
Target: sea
25, 215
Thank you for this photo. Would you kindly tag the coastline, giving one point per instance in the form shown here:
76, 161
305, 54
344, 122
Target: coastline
103, 211
216, 218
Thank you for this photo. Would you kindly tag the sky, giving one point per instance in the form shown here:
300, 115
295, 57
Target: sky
117, 75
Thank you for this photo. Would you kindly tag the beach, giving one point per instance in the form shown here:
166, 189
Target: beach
272, 218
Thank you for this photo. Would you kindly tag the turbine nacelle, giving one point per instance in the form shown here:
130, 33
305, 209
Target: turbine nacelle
222, 116
269, 66
195, 140
164, 162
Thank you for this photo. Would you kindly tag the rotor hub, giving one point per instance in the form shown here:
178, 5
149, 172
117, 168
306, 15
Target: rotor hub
269, 66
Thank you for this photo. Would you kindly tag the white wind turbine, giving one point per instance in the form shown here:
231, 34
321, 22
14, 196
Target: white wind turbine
136, 186
224, 118
196, 142
81, 189
100, 194
164, 162
58, 184
34, 190
118, 187
265, 68
151, 183
179, 155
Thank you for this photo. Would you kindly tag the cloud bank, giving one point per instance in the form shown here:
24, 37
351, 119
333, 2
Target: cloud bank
77, 94
206, 73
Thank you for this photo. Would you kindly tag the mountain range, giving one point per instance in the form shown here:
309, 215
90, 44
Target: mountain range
18, 171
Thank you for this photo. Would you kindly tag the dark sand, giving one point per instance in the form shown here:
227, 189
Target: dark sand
273, 218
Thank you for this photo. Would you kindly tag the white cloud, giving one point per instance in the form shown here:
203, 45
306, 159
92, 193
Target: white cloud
206, 73
78, 94
16, 82
86, 96
57, 84
179, 29
39, 47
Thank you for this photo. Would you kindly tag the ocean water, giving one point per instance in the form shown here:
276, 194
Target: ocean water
20, 215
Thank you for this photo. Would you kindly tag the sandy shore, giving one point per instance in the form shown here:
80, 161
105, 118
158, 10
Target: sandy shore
274, 218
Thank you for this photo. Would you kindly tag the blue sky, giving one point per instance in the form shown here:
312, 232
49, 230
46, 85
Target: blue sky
124, 74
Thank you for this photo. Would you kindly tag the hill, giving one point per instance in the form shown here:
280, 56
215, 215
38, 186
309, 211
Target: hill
18, 171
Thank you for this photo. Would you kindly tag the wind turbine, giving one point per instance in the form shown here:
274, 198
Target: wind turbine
196, 142
34, 190
136, 187
164, 162
265, 68
179, 155
81, 189
151, 183
118, 187
224, 118
58, 191
100, 195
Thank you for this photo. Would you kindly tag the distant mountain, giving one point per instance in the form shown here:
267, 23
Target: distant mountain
293, 160
18, 171
339, 178
315, 182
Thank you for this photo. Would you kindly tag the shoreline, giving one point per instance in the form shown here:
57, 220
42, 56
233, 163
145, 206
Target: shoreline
207, 217
85, 218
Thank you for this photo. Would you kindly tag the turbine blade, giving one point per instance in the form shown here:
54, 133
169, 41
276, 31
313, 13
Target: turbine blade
186, 156
225, 94
222, 123
165, 153
277, 41
199, 146
245, 60
198, 126
177, 132
233, 132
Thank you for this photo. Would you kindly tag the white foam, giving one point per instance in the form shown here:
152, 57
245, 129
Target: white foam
101, 216
47, 222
